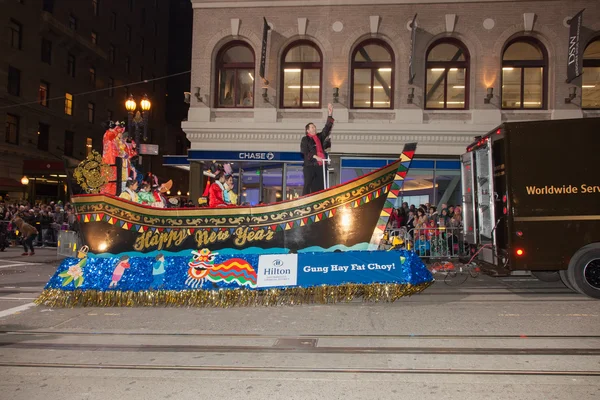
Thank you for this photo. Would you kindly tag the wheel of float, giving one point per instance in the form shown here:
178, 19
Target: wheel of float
564, 277
584, 271
546, 276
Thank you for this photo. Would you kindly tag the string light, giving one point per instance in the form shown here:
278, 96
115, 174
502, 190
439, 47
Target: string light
98, 90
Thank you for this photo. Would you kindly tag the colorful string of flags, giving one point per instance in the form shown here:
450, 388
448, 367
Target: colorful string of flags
283, 226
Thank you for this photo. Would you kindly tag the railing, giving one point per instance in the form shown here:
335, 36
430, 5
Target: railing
68, 243
427, 242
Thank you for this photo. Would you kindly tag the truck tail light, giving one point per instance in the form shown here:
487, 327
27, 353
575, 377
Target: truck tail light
520, 252
519, 233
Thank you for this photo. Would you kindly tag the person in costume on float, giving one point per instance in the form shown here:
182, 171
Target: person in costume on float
160, 201
215, 192
229, 195
145, 196
110, 152
312, 151
130, 191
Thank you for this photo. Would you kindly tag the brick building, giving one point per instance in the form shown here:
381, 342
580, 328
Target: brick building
67, 67
475, 64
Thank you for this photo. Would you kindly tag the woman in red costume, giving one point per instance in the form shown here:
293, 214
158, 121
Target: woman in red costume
110, 152
215, 191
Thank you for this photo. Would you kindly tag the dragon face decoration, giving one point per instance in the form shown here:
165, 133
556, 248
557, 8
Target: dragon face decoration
91, 174
200, 264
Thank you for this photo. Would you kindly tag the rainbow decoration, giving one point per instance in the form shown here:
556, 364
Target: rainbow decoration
234, 270
394, 192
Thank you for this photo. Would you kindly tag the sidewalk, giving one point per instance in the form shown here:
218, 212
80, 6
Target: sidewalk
44, 255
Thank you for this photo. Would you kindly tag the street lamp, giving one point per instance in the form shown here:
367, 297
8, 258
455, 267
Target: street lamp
130, 104
25, 182
135, 124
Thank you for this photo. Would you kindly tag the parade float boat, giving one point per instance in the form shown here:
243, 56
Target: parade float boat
350, 216
276, 254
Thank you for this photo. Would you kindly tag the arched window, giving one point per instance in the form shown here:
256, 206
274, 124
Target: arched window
301, 70
447, 77
235, 76
591, 75
372, 75
524, 74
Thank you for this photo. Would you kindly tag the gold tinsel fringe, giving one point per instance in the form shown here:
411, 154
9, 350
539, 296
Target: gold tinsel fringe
229, 297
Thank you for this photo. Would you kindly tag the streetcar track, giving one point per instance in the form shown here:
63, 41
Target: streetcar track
297, 336
174, 348
218, 368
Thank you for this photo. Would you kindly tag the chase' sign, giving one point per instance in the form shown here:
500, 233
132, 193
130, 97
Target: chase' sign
232, 156
256, 156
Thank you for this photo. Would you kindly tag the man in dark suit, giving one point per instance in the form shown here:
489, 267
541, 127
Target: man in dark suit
312, 149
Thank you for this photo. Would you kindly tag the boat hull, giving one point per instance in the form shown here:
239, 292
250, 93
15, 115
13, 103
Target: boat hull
338, 218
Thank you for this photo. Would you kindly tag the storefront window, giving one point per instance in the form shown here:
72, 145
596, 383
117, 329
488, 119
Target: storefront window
428, 181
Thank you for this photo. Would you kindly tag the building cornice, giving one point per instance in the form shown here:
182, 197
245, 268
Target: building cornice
308, 3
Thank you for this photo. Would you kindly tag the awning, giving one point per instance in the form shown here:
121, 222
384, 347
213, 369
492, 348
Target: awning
41, 167
244, 159
10, 184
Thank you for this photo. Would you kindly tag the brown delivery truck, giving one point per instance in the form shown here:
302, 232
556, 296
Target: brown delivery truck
531, 198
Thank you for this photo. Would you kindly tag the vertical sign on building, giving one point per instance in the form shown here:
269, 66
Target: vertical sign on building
574, 61
413, 39
263, 54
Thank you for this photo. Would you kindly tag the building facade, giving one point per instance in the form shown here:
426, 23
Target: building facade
469, 66
68, 66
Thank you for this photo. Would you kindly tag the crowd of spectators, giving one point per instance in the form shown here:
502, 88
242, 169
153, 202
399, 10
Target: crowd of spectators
47, 218
425, 216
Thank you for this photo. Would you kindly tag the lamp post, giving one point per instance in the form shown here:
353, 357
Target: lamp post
140, 120
25, 182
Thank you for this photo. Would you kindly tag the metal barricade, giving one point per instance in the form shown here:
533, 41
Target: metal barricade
438, 242
68, 243
441, 242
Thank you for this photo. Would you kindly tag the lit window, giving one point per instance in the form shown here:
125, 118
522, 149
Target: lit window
43, 93
93, 76
88, 146
68, 104
524, 74
591, 75
235, 77
372, 75
96, 7
302, 70
94, 38
447, 77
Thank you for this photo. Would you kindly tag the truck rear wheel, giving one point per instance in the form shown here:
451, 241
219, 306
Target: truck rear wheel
546, 276
564, 277
584, 271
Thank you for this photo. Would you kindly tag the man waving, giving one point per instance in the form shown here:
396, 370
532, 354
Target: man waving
312, 150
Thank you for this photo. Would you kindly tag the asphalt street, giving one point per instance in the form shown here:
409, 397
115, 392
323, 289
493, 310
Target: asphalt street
486, 338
